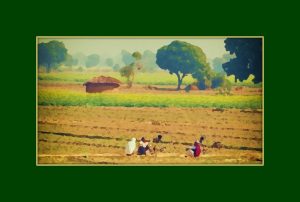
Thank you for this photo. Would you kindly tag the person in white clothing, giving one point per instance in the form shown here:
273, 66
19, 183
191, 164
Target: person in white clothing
130, 147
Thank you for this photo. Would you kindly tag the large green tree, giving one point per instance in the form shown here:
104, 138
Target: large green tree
248, 59
181, 58
51, 54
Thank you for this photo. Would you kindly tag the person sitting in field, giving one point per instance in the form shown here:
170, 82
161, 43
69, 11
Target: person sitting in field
130, 147
157, 139
201, 139
195, 151
144, 147
203, 150
156, 146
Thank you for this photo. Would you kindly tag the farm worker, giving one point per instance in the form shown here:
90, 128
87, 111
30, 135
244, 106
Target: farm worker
130, 147
143, 146
202, 145
201, 139
157, 139
195, 150
156, 145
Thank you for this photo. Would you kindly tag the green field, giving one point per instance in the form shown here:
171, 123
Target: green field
156, 78
56, 97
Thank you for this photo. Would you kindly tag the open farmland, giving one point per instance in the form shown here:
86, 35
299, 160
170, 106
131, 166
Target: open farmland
157, 90
75, 127
98, 134
156, 78
156, 99
201, 95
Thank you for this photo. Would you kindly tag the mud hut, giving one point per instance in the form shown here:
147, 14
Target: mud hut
101, 83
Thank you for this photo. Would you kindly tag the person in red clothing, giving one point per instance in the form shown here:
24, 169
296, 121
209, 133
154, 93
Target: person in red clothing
195, 151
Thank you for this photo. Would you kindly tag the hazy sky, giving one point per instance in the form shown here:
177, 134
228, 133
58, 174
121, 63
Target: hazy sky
212, 47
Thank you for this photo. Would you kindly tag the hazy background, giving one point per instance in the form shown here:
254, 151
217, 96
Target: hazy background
212, 47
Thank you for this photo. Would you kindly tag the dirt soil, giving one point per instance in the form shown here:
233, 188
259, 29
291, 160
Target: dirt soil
98, 135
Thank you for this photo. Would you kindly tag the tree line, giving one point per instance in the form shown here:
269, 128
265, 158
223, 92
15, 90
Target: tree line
179, 58
54, 54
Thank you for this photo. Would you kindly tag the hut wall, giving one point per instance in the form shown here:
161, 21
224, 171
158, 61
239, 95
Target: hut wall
99, 87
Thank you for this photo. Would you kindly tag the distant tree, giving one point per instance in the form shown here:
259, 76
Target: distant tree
219, 61
92, 60
149, 61
116, 67
51, 54
204, 78
44, 58
127, 57
218, 80
248, 59
137, 55
109, 62
74, 61
128, 72
68, 61
181, 58
80, 69
80, 58
217, 64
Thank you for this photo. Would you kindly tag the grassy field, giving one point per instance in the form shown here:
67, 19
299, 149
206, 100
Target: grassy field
73, 98
156, 78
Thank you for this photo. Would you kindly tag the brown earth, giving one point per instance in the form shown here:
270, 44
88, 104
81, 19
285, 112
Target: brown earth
98, 135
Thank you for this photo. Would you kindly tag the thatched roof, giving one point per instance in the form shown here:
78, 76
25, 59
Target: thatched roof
103, 79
